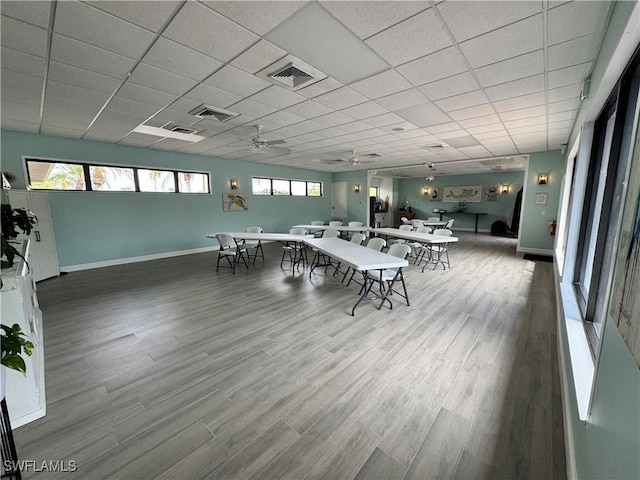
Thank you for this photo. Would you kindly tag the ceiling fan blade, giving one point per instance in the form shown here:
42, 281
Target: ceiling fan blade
276, 142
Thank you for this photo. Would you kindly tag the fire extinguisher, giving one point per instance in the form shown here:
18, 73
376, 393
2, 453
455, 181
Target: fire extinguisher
552, 224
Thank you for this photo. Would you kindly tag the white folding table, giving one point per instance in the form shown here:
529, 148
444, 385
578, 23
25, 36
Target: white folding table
364, 260
283, 238
416, 237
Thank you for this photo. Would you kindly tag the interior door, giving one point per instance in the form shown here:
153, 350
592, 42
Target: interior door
339, 201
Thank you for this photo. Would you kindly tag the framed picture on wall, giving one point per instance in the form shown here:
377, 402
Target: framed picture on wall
435, 194
541, 198
235, 202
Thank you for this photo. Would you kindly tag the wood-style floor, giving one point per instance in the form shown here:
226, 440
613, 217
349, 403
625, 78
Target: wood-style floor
167, 369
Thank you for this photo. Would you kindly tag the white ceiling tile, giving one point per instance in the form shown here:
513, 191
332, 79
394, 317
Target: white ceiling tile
516, 103
470, 19
20, 112
282, 118
258, 57
413, 38
399, 100
565, 93
202, 29
315, 36
20, 81
424, 115
537, 124
557, 107
464, 100
512, 69
95, 27
22, 62
23, 36
69, 92
449, 87
536, 111
309, 109
136, 139
566, 115
150, 14
573, 52
478, 121
142, 110
444, 127
59, 72
68, 112
405, 126
569, 75
364, 110
36, 12
215, 97
318, 88
492, 136
562, 24
257, 16
21, 96
368, 18
483, 129
88, 57
475, 151
278, 97
436, 66
145, 95
506, 149
383, 84
371, 133
516, 88
462, 142
182, 60
237, 81
382, 120
56, 131
342, 98
251, 108
516, 39
471, 112
333, 119
162, 80
185, 105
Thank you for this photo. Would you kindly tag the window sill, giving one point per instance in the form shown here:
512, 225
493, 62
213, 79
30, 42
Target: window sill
581, 361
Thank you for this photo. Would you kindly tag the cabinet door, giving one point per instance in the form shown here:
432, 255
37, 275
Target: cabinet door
44, 257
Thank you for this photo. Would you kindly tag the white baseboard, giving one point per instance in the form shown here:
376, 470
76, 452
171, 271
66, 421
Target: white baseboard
143, 258
536, 251
470, 229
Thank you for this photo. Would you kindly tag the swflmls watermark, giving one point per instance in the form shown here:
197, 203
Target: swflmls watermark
62, 466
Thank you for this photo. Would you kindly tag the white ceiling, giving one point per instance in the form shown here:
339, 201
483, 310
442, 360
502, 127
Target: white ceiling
486, 79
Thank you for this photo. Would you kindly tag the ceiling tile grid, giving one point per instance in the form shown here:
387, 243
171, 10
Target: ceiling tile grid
486, 78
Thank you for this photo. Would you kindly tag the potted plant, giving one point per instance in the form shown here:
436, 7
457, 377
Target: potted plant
14, 344
13, 219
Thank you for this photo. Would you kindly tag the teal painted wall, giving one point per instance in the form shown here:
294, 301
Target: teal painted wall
534, 230
101, 226
410, 189
608, 446
356, 201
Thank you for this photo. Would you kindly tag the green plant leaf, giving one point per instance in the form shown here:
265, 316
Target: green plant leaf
15, 362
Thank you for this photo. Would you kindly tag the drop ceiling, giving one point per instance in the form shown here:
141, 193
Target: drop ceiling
413, 82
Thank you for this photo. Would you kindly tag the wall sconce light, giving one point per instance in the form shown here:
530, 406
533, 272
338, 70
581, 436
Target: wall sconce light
356, 187
233, 183
425, 190
543, 178
505, 188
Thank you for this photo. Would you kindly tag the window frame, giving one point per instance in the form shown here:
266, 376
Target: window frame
290, 180
621, 105
87, 176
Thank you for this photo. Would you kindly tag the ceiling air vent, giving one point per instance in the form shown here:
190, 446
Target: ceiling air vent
291, 73
292, 76
207, 111
188, 131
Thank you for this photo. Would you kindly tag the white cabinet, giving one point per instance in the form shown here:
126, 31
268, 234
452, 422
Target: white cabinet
44, 257
25, 395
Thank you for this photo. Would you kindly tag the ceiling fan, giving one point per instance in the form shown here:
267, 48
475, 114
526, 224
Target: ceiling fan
261, 144
353, 160
430, 177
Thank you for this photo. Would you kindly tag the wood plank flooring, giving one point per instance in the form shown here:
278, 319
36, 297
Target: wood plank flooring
167, 369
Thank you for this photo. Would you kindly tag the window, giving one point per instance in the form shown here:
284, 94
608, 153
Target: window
605, 185
54, 175
373, 192
281, 186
